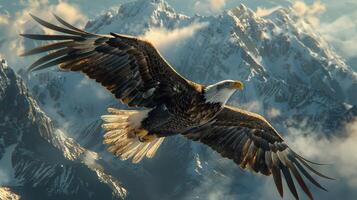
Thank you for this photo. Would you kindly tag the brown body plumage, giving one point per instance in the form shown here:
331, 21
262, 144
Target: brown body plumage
135, 72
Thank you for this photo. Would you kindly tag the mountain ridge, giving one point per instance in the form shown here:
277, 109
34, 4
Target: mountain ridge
55, 164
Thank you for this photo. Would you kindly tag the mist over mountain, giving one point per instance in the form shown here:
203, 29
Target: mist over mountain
292, 77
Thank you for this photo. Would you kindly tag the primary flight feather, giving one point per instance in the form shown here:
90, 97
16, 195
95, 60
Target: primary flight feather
133, 70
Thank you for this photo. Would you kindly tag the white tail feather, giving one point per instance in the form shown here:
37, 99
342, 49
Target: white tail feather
121, 138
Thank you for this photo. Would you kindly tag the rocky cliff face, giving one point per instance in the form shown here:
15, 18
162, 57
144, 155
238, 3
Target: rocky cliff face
37, 161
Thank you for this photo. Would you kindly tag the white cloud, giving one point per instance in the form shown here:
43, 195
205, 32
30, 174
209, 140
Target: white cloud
90, 158
21, 22
217, 5
309, 12
4, 20
262, 12
44, 10
273, 112
303, 8
70, 12
340, 151
213, 187
253, 106
342, 34
4, 16
209, 6
163, 38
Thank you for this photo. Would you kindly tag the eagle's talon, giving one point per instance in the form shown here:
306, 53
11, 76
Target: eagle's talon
141, 133
147, 138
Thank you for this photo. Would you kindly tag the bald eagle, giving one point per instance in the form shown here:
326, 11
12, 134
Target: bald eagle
137, 75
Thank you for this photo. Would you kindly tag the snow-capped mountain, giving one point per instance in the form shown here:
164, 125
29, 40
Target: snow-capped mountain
284, 63
291, 75
38, 161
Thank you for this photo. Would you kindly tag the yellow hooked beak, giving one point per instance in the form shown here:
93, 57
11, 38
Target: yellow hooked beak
238, 85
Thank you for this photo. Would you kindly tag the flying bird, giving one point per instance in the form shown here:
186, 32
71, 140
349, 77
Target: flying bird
133, 70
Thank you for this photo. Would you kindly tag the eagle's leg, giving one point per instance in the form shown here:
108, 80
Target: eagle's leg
141, 132
144, 135
126, 137
148, 138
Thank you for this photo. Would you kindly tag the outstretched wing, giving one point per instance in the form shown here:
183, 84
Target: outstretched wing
249, 140
130, 68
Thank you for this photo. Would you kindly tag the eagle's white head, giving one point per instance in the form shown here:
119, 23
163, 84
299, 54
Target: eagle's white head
220, 92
